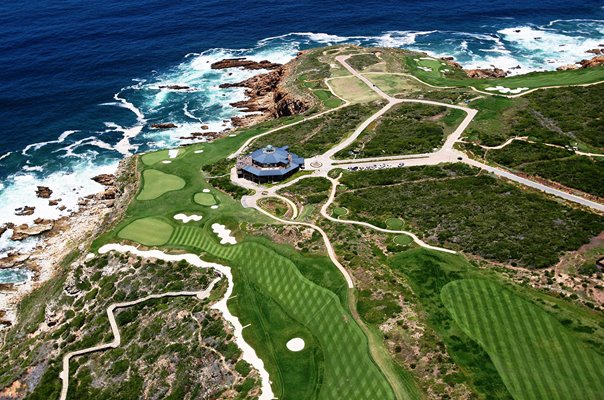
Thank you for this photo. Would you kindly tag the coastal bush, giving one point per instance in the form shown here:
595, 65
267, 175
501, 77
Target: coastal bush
309, 190
405, 129
465, 213
315, 136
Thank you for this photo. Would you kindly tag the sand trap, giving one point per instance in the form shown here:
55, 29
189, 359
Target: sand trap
214, 207
172, 153
295, 344
232, 135
198, 151
206, 190
167, 162
187, 218
224, 234
427, 69
503, 89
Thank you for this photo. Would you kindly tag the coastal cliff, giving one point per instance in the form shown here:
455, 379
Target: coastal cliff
267, 95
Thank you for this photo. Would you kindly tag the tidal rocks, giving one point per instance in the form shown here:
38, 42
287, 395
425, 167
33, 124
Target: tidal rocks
485, 73
53, 202
167, 125
205, 127
43, 192
13, 260
105, 179
3, 229
24, 231
568, 67
594, 62
244, 63
25, 210
175, 87
595, 51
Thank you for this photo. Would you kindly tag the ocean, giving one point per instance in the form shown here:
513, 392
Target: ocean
79, 80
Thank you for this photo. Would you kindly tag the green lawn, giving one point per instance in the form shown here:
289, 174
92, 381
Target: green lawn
205, 199
148, 231
156, 183
535, 355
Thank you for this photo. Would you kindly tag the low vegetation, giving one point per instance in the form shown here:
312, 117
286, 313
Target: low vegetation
480, 215
318, 135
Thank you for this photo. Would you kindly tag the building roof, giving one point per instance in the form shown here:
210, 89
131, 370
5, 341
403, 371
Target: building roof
271, 155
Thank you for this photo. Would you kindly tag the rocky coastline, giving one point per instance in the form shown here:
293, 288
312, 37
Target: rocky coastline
267, 95
65, 237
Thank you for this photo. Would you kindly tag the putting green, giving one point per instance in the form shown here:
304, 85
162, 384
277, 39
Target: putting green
403, 240
148, 231
157, 156
156, 183
339, 211
394, 223
205, 199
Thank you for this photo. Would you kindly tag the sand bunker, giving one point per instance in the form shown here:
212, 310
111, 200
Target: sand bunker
187, 218
427, 69
198, 151
206, 190
224, 234
295, 344
214, 207
167, 162
172, 153
503, 89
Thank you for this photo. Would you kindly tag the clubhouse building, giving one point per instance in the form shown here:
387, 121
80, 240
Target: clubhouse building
269, 164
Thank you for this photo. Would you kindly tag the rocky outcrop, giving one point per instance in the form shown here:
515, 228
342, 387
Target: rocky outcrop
24, 231
3, 229
43, 192
175, 87
595, 51
167, 125
25, 210
485, 73
568, 67
13, 260
594, 62
450, 61
244, 63
267, 97
105, 179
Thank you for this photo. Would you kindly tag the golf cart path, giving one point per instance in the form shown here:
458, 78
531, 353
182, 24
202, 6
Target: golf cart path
248, 353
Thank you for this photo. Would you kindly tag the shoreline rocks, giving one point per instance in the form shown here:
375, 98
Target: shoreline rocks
175, 87
486, 73
22, 232
43, 192
24, 211
167, 125
244, 63
104, 179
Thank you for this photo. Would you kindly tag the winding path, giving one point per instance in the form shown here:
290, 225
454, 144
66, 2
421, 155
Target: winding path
248, 353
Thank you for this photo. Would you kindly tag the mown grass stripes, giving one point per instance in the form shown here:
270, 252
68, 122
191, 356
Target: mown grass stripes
349, 371
536, 356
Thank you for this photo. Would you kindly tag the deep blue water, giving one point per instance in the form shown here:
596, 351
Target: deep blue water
93, 67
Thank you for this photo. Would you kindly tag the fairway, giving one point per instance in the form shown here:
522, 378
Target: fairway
345, 351
353, 89
148, 231
204, 199
536, 356
156, 183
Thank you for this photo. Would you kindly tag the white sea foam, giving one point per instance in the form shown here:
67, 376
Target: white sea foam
69, 186
3, 156
37, 146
